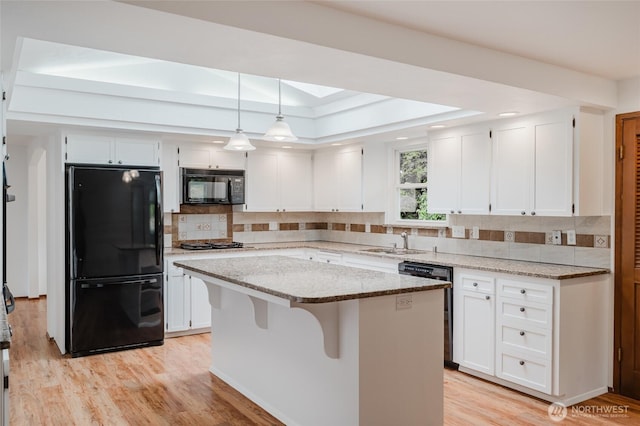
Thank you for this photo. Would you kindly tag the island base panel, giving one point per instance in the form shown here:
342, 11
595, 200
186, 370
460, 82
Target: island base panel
389, 369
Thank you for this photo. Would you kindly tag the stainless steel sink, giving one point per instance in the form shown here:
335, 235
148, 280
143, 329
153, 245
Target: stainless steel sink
391, 250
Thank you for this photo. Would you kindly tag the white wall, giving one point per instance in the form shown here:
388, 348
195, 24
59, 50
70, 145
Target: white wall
17, 253
629, 95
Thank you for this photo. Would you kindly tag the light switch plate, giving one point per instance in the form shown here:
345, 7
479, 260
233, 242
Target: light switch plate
457, 231
571, 237
273, 226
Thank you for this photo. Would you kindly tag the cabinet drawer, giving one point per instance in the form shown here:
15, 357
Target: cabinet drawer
533, 341
522, 314
530, 372
479, 284
524, 291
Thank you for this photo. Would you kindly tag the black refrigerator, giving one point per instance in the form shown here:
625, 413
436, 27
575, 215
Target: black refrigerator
114, 245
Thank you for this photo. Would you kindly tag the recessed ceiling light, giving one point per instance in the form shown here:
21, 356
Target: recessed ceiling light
508, 113
437, 126
286, 146
402, 138
336, 144
217, 141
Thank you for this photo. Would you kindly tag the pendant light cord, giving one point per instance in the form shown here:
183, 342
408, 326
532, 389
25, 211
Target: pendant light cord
279, 99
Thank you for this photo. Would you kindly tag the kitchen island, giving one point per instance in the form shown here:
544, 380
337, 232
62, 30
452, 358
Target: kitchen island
319, 344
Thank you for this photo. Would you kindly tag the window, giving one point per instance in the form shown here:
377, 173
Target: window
411, 187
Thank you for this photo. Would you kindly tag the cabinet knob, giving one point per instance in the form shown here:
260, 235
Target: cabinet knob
522, 333
451, 211
328, 261
521, 363
533, 213
459, 211
277, 210
523, 291
337, 210
110, 162
522, 309
523, 212
284, 210
487, 297
475, 284
119, 161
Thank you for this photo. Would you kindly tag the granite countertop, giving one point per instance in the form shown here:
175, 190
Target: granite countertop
305, 281
490, 264
5, 333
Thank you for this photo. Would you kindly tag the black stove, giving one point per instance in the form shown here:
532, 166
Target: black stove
210, 246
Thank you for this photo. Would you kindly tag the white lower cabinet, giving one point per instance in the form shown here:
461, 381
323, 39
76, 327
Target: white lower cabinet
548, 338
477, 319
186, 302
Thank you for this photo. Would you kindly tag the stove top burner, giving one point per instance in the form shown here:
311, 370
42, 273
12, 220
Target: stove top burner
210, 246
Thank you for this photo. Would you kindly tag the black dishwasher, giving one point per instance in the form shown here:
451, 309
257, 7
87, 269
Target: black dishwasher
444, 273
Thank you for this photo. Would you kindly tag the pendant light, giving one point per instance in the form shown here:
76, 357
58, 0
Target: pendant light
239, 141
280, 131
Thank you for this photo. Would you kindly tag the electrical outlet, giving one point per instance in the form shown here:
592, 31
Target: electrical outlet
475, 232
557, 237
571, 237
404, 301
457, 231
273, 226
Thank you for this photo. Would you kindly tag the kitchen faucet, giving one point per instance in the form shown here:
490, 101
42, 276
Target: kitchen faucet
405, 239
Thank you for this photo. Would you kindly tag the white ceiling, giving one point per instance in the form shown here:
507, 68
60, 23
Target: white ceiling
476, 55
595, 37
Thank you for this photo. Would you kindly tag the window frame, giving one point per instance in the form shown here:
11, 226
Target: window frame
393, 212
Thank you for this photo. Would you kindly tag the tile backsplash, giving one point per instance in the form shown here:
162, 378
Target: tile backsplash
521, 238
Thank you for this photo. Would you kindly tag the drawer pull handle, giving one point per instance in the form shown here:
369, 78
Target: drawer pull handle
487, 297
522, 333
521, 363
475, 284
522, 309
523, 291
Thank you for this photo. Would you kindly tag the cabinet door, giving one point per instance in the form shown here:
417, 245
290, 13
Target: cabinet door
88, 149
553, 184
177, 307
512, 159
325, 181
350, 180
295, 176
170, 178
478, 332
262, 181
475, 173
137, 152
195, 156
200, 306
443, 180
227, 160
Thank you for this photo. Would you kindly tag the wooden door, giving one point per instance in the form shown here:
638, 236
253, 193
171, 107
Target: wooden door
627, 309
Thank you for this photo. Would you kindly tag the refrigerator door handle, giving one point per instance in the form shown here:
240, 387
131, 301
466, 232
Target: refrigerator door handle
72, 253
130, 282
159, 213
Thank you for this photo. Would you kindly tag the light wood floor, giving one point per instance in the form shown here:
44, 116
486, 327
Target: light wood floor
171, 385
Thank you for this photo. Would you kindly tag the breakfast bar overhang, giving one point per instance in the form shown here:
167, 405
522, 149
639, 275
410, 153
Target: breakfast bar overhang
320, 344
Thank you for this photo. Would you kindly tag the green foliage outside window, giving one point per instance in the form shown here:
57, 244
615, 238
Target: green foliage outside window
413, 201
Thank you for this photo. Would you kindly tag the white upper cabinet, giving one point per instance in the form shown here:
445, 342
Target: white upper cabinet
170, 178
209, 156
109, 150
459, 171
279, 181
337, 179
512, 169
533, 166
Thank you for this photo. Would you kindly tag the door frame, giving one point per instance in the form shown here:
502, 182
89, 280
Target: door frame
617, 307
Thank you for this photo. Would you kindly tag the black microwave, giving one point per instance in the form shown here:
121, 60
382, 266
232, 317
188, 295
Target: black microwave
212, 186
